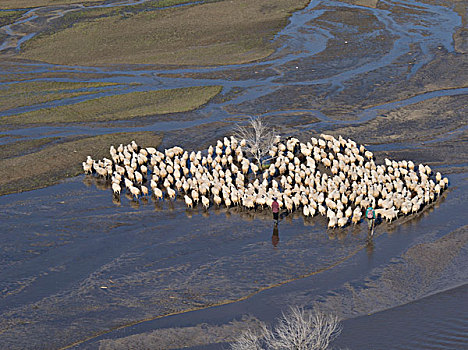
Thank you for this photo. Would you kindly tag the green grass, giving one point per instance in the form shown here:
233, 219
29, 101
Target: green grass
120, 107
31, 93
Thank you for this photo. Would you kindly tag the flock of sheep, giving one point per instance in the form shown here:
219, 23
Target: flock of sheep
333, 177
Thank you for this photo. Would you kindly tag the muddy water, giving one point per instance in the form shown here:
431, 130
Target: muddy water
79, 268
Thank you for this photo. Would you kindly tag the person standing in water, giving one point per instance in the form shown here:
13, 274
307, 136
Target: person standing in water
275, 209
370, 215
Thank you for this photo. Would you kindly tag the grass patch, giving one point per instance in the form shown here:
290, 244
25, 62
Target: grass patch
20, 148
9, 17
28, 94
20, 4
26, 76
120, 107
58, 161
238, 31
122, 12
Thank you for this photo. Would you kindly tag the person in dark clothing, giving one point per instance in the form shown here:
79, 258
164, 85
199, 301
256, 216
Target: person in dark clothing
275, 209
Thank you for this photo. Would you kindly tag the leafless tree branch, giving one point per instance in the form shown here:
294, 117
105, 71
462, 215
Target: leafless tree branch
298, 329
250, 339
259, 138
301, 329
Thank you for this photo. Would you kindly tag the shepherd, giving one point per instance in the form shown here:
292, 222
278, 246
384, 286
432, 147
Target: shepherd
370, 215
275, 209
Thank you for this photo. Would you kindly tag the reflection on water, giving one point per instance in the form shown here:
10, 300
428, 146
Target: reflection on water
275, 237
116, 200
134, 204
288, 218
370, 245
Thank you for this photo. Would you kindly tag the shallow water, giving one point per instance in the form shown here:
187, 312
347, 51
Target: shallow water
157, 257
441, 322
360, 283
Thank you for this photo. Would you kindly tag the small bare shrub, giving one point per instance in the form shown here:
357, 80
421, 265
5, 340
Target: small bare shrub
298, 329
250, 340
301, 329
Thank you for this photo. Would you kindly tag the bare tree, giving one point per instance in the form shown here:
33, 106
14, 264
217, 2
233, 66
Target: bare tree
301, 329
251, 339
258, 136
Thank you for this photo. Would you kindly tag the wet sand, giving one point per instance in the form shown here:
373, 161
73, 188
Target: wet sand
82, 270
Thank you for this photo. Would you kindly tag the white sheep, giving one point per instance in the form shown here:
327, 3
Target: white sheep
134, 191
116, 188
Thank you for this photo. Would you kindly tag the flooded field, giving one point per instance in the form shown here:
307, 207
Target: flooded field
82, 270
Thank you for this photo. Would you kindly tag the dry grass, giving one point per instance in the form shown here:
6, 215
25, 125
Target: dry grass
27, 94
8, 17
18, 4
120, 107
238, 31
58, 161
20, 148
25, 76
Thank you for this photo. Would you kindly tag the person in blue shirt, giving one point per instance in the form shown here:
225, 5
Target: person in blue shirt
370, 215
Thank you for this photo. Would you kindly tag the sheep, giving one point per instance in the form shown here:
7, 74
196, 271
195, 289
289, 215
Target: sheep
342, 222
151, 150
116, 188
138, 177
390, 214
332, 222
134, 191
356, 179
195, 196
205, 201
158, 193
357, 214
348, 212
171, 193
88, 169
